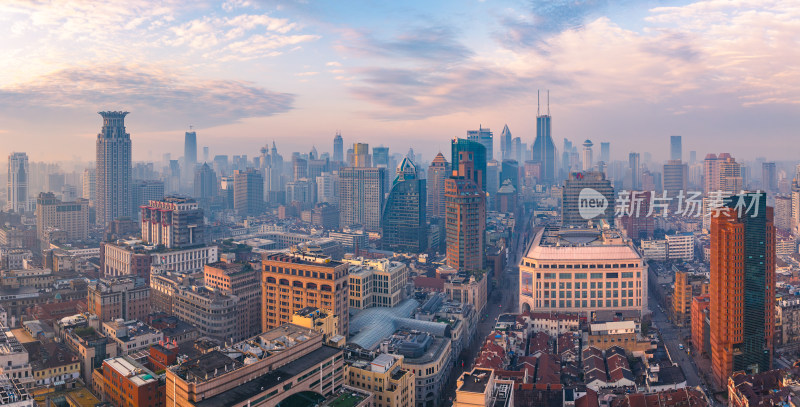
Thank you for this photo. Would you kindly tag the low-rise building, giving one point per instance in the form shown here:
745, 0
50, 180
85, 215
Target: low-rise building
384, 375
14, 359
428, 356
787, 321
33, 277
91, 347
654, 249
480, 388
623, 334
131, 336
53, 363
319, 320
771, 388
12, 394
124, 382
471, 289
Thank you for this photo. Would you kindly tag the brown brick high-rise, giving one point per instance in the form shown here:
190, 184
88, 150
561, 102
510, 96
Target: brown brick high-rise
742, 309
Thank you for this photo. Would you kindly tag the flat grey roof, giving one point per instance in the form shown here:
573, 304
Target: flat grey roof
269, 380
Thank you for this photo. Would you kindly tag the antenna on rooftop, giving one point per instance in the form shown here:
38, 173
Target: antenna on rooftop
538, 103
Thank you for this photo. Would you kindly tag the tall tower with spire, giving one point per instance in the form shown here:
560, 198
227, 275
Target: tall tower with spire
113, 180
544, 150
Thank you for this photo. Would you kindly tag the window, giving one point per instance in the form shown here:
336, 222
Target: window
596, 275
565, 276
628, 274
612, 275
580, 276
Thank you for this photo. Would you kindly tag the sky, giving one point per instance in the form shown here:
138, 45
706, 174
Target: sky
725, 75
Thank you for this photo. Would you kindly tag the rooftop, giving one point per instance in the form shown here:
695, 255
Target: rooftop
476, 381
264, 382
555, 243
136, 373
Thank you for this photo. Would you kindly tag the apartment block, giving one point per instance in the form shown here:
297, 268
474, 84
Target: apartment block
122, 297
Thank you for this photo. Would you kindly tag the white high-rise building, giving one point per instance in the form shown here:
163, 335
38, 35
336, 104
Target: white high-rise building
17, 193
113, 196
328, 187
587, 155
89, 182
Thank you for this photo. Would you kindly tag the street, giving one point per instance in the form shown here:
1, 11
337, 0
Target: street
672, 337
506, 302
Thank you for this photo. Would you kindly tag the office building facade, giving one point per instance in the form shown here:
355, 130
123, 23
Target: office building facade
586, 190
361, 197
248, 192
465, 219
485, 137
173, 222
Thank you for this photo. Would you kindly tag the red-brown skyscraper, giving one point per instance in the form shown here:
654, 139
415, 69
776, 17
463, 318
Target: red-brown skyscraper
465, 215
742, 288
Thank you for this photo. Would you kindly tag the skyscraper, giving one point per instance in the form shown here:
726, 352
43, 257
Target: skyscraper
89, 183
675, 177
190, 151
485, 137
361, 156
506, 146
361, 197
248, 192
586, 157
72, 218
675, 148
634, 167
205, 185
17, 192
380, 156
403, 223
143, 192
544, 150
438, 172
478, 159
113, 197
769, 177
465, 217
338, 148
605, 152
742, 289
721, 173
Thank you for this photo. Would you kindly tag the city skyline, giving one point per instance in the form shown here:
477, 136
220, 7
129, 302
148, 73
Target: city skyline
246, 73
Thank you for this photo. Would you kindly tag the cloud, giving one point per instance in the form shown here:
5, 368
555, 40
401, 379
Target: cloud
333, 63
163, 97
424, 43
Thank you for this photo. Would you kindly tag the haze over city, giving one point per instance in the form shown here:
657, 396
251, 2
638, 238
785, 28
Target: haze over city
505, 203
244, 73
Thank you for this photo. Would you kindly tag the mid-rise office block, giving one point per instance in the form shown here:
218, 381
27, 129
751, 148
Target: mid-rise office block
742, 308
70, 217
261, 371
248, 192
290, 282
243, 281
376, 283
173, 222
485, 137
124, 297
